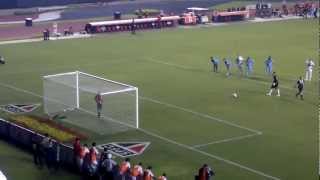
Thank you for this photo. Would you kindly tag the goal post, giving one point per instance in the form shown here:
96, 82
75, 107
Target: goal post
73, 91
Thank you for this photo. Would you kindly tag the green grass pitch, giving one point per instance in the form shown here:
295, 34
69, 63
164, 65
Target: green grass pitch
186, 110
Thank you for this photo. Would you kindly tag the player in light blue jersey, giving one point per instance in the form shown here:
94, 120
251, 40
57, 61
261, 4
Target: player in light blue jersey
249, 66
215, 63
268, 63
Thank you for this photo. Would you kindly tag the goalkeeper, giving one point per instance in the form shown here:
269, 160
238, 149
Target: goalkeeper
99, 101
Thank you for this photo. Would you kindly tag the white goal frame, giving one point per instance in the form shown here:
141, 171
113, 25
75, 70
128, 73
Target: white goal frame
126, 88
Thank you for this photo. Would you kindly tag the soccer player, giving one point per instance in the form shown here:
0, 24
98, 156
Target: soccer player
239, 62
228, 65
300, 86
99, 101
215, 63
309, 68
2, 176
274, 85
249, 66
2, 60
268, 63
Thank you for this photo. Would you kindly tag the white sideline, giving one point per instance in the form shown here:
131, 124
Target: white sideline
226, 140
188, 67
76, 36
171, 141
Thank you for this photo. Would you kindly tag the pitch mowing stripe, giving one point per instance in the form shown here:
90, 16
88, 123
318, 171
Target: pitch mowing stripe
226, 140
211, 155
201, 114
190, 147
191, 68
170, 141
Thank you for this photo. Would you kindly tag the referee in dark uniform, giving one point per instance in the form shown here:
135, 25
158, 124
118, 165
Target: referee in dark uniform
300, 86
274, 85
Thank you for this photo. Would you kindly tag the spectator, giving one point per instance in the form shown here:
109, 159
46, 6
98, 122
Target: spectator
70, 30
124, 168
76, 152
137, 172
45, 145
45, 141
93, 163
103, 156
50, 154
205, 172
148, 175
84, 150
56, 163
46, 34
85, 169
315, 12
163, 177
36, 151
108, 166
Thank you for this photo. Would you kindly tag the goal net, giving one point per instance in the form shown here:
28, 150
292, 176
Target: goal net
73, 93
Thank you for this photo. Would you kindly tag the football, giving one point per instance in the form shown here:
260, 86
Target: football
235, 95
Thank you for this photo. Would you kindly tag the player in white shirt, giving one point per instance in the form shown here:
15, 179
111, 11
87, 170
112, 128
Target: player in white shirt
2, 176
309, 68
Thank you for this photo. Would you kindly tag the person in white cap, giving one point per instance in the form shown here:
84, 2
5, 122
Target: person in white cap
309, 68
2, 176
108, 166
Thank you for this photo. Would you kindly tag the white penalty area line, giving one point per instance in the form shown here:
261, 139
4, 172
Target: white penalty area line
201, 115
226, 140
171, 141
211, 155
190, 68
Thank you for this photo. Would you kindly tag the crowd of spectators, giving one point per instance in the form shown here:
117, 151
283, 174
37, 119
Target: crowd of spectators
46, 152
94, 165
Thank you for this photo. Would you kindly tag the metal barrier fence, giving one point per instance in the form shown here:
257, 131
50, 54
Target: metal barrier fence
24, 137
